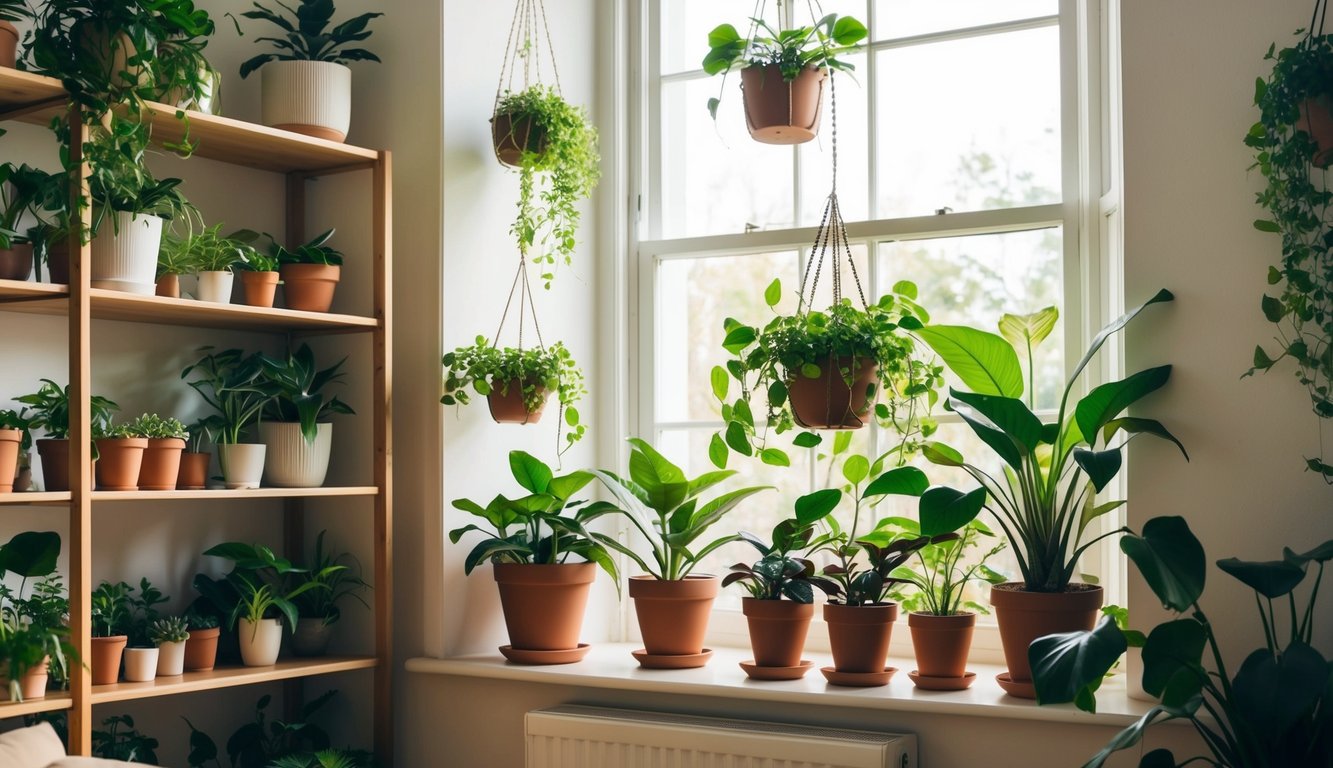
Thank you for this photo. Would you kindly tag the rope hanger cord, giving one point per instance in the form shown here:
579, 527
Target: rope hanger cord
525, 303
1320, 13
526, 32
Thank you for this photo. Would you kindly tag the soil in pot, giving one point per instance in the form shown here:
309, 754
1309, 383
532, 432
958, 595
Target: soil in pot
827, 402
259, 288
544, 604
309, 287
201, 649
1024, 616
311, 637
512, 137
673, 615
16, 262
507, 406
941, 643
160, 467
169, 286
193, 473
9, 458
859, 636
777, 630
779, 112
118, 462
1317, 120
106, 658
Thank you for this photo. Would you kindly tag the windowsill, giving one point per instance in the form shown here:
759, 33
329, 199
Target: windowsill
610, 666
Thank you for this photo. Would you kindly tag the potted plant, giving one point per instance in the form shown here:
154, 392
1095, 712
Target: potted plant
141, 653
1044, 498
15, 439
130, 208
194, 463
295, 428
338, 576
554, 146
20, 191
212, 259
111, 611
530, 540
516, 382
825, 370
201, 644
259, 270
170, 635
10, 12
307, 86
185, 79
668, 509
309, 273
778, 626
173, 260
162, 458
1273, 711
33, 631
50, 406
233, 383
782, 72
120, 450
123, 743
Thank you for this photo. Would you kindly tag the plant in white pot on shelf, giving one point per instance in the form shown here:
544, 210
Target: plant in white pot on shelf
130, 208
213, 258
295, 425
170, 635
141, 654
319, 607
307, 86
233, 383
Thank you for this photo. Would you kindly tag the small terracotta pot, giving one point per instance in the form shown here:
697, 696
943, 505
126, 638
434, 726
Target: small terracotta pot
57, 261
9, 44
673, 615
140, 665
9, 458
118, 462
941, 643
507, 405
1024, 616
15, 262
312, 637
1317, 120
826, 402
777, 630
201, 649
259, 288
309, 287
32, 684
161, 464
779, 112
859, 635
55, 463
169, 286
544, 604
511, 137
193, 473
106, 658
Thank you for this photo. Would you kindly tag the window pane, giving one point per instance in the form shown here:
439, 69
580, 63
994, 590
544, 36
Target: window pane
816, 156
694, 297
974, 280
969, 124
716, 180
905, 18
685, 26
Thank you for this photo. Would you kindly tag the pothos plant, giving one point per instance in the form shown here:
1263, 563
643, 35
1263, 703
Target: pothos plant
559, 167
1297, 202
767, 360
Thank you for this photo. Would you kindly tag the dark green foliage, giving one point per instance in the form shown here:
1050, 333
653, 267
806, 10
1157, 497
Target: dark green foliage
305, 35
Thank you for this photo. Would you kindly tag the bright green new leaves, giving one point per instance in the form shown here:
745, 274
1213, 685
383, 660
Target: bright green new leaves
1024, 332
1171, 561
815, 506
1109, 400
899, 481
1070, 666
985, 362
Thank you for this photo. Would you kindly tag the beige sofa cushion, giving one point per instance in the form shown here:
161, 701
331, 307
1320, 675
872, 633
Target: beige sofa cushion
35, 747
86, 762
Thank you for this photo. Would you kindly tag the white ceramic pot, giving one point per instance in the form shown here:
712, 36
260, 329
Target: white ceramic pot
309, 97
125, 253
215, 287
171, 659
242, 464
260, 641
140, 665
291, 462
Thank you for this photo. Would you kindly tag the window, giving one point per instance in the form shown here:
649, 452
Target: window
963, 167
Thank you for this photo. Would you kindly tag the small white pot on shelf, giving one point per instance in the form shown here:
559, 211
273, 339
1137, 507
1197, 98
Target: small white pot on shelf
171, 659
124, 253
215, 287
242, 464
260, 641
140, 665
291, 462
309, 97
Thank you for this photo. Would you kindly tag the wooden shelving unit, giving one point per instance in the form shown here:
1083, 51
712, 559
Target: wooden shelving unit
38, 100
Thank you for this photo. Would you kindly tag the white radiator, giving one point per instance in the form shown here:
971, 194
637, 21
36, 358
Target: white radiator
573, 736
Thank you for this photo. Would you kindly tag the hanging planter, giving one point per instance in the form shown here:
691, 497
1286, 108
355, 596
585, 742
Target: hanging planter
783, 73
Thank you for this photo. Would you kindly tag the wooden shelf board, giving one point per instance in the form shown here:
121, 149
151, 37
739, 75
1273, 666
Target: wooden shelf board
54, 701
23, 89
17, 290
255, 493
227, 677
29, 498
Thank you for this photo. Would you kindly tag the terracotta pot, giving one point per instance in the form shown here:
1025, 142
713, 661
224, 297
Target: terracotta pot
511, 137
1024, 616
777, 630
193, 473
9, 44
941, 643
779, 112
32, 684
161, 464
260, 641
259, 288
169, 286
309, 287
201, 649
118, 462
57, 261
55, 463
312, 637
9, 458
544, 604
1317, 120
171, 659
859, 635
507, 405
140, 665
16, 262
106, 658
673, 615
826, 402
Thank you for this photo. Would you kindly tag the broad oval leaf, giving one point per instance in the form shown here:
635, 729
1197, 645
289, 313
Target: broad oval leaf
31, 554
1171, 561
1101, 466
529, 471
986, 363
941, 454
817, 505
1025, 332
944, 510
856, 468
1109, 400
1271, 694
1172, 661
1070, 666
899, 481
1271, 579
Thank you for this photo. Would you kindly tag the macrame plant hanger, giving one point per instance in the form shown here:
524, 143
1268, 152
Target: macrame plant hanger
523, 52
1320, 13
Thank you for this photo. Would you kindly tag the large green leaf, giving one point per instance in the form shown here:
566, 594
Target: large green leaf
899, 481
1172, 661
1101, 466
1135, 426
945, 510
815, 506
1271, 694
663, 483
985, 362
529, 471
1025, 332
1009, 450
31, 554
1271, 579
1009, 414
1133, 734
1170, 559
566, 486
1110, 329
1109, 400
1070, 666
713, 511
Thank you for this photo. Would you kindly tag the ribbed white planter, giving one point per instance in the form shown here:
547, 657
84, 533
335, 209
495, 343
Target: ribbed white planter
309, 97
291, 462
242, 464
140, 665
215, 287
125, 253
171, 659
260, 641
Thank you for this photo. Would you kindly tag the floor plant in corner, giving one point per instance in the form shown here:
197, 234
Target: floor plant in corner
530, 540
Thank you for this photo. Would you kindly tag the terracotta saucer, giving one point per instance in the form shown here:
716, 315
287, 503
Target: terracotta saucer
858, 679
756, 672
932, 683
672, 661
568, 656
1021, 690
